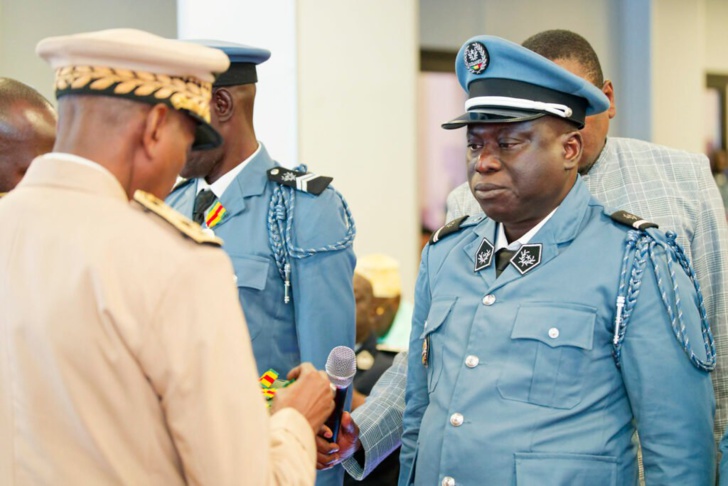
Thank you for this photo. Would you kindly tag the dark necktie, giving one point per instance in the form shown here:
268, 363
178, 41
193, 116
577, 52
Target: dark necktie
502, 258
203, 201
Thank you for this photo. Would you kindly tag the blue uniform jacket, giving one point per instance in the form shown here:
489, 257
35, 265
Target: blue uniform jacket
321, 314
521, 386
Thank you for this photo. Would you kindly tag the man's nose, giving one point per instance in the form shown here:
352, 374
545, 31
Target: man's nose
487, 161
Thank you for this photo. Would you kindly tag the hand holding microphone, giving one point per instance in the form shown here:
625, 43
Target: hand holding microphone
310, 395
341, 368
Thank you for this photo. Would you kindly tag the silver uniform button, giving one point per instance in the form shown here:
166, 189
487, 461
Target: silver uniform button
456, 419
472, 361
489, 299
448, 481
553, 333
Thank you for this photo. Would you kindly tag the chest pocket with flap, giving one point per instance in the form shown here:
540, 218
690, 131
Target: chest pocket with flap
550, 347
251, 274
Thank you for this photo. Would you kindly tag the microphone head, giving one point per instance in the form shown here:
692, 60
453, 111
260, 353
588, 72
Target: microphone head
341, 366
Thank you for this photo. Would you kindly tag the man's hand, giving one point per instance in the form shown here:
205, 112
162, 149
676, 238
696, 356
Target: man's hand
311, 394
329, 454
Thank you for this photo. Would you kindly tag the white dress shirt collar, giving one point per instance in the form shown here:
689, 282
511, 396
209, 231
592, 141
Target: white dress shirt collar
501, 240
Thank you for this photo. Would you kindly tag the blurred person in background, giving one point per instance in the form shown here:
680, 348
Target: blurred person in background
27, 130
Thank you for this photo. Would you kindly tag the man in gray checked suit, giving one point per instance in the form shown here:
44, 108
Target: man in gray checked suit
670, 187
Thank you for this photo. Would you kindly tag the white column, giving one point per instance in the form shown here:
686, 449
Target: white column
267, 24
357, 67
678, 73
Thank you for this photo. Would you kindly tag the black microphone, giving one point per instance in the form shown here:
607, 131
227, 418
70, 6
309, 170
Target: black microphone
341, 368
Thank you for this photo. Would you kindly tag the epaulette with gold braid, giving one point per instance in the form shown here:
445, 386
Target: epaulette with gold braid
185, 226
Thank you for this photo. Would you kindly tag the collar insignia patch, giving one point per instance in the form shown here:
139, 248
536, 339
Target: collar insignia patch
527, 258
484, 255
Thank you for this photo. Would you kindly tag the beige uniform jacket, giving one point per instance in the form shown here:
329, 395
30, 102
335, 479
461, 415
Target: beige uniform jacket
124, 356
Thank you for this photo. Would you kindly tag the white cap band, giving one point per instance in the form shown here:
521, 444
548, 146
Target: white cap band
562, 111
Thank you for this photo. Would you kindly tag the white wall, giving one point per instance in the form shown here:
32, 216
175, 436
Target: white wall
24, 22
678, 73
716, 36
270, 25
357, 68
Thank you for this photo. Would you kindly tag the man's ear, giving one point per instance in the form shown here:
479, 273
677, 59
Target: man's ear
608, 90
155, 122
573, 145
222, 104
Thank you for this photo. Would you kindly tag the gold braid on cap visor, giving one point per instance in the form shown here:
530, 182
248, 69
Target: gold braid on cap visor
181, 93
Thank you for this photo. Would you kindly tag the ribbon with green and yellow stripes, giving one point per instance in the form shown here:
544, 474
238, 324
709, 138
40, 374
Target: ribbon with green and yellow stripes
215, 214
268, 378
270, 384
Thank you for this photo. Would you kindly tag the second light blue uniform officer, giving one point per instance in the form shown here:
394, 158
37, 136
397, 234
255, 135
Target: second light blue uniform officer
289, 234
593, 330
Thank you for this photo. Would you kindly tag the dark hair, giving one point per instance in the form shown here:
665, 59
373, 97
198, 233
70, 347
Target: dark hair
12, 91
564, 44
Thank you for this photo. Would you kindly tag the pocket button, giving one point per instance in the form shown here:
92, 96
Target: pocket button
553, 333
456, 419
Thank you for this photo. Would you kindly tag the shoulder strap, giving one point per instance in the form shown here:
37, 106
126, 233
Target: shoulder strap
629, 219
450, 228
301, 180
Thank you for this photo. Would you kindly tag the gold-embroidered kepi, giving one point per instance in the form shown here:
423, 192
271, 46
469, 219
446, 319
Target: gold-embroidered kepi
139, 66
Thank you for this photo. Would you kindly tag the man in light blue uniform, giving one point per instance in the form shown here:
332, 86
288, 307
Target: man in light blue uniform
295, 283
541, 338
289, 234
